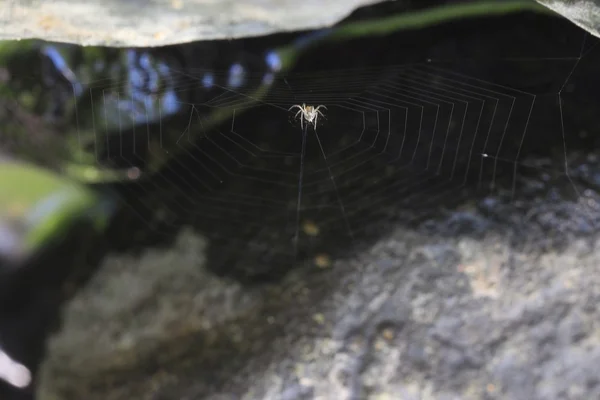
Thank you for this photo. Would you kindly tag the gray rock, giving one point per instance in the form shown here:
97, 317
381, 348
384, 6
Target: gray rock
583, 13
161, 327
162, 22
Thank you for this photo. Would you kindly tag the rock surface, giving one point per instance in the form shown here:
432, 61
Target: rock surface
418, 316
164, 22
583, 13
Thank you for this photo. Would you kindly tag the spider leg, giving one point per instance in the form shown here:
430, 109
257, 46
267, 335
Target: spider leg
318, 112
318, 108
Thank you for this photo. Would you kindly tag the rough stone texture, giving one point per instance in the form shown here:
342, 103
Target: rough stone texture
402, 331
504, 310
583, 13
162, 22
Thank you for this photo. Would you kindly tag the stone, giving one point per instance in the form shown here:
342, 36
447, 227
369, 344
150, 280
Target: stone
583, 13
164, 22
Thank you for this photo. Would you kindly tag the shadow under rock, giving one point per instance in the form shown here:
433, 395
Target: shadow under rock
245, 201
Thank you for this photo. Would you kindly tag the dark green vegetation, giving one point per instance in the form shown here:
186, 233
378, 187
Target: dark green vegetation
113, 210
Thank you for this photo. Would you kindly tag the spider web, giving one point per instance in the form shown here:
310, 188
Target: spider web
397, 145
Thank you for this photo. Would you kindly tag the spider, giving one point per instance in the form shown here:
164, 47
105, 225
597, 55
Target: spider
309, 114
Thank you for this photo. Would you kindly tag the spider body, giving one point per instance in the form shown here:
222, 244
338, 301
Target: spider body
310, 114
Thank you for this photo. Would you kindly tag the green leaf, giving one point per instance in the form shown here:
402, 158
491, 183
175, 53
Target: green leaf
39, 206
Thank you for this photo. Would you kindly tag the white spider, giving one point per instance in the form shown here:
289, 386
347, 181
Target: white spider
309, 114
